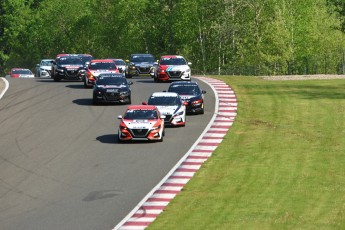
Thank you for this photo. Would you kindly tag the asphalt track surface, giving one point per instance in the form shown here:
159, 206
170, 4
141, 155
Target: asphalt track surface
60, 164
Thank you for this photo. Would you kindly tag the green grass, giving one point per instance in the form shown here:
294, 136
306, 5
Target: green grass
281, 166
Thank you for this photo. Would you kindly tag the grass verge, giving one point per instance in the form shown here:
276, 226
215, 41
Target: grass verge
281, 166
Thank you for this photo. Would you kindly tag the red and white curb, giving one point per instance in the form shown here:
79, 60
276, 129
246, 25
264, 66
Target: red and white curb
160, 196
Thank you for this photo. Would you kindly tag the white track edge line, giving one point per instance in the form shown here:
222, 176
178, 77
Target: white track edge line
6, 87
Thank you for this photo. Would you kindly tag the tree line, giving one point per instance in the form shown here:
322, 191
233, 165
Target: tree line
240, 37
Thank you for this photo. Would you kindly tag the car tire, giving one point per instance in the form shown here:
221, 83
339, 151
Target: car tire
57, 78
94, 101
85, 85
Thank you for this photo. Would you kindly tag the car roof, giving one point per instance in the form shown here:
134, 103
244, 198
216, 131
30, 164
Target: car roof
184, 83
141, 107
88, 55
172, 56
164, 94
111, 75
102, 60
150, 55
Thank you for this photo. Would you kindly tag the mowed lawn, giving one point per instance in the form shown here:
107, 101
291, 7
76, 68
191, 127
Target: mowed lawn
281, 165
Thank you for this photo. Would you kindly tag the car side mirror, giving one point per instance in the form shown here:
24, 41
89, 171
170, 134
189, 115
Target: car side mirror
163, 117
144, 103
130, 83
119, 117
38, 65
189, 63
203, 92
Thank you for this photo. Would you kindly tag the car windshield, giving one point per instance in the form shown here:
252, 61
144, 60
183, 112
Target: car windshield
173, 61
163, 101
185, 89
85, 59
70, 61
111, 81
102, 65
141, 114
21, 71
46, 63
120, 62
142, 59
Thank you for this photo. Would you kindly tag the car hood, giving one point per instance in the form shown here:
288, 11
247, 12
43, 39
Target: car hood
187, 97
143, 64
23, 76
112, 86
140, 124
97, 72
174, 67
46, 67
167, 110
71, 66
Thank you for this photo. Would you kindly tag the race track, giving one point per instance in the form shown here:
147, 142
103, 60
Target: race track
60, 164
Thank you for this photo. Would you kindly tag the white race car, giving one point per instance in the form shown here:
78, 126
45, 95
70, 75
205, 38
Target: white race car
171, 106
141, 122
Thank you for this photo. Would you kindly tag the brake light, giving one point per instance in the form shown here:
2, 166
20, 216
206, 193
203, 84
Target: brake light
197, 101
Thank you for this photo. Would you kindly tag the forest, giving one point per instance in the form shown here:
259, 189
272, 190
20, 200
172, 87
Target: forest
232, 37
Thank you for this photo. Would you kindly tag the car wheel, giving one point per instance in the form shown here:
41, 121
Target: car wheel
94, 101
57, 78
129, 100
202, 111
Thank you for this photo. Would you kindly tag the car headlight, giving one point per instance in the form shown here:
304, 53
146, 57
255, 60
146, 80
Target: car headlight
179, 113
124, 93
156, 127
187, 71
123, 126
59, 70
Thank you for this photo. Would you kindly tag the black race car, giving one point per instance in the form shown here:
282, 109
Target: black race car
140, 65
112, 88
191, 93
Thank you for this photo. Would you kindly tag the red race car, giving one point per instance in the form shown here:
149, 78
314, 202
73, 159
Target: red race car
97, 67
21, 73
172, 68
141, 122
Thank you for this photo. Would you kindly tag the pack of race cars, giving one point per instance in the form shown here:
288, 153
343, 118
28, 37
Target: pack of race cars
109, 82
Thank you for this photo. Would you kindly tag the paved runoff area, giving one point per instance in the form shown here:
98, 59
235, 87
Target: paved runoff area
160, 196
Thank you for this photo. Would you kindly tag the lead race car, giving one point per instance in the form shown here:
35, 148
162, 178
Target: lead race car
141, 122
